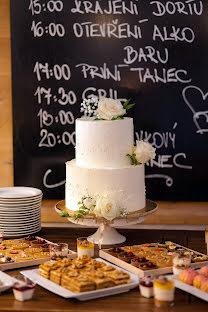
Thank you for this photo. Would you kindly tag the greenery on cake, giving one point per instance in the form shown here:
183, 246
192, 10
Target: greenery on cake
101, 207
141, 153
105, 108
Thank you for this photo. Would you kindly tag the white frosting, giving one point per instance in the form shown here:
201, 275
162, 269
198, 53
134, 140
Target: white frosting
124, 185
164, 294
103, 143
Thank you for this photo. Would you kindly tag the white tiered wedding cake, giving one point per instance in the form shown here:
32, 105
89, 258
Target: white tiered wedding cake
107, 176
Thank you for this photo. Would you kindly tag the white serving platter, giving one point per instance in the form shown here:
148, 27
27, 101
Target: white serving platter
189, 288
19, 192
88, 295
6, 280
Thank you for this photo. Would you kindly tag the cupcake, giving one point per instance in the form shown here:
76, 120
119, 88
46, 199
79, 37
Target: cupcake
204, 270
163, 292
146, 287
181, 262
198, 280
187, 276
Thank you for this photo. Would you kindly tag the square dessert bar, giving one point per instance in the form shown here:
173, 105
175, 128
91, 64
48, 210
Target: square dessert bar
83, 274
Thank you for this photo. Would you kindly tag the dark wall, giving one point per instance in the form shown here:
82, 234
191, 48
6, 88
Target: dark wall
152, 51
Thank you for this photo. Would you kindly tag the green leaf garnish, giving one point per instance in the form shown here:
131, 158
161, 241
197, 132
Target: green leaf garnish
64, 214
134, 161
127, 106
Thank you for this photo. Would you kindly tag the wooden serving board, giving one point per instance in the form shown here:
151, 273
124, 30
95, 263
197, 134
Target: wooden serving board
33, 262
150, 272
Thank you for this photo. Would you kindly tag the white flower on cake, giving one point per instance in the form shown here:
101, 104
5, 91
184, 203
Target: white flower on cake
142, 153
109, 109
106, 208
89, 203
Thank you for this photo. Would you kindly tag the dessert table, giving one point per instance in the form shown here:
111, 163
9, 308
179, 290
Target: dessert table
44, 300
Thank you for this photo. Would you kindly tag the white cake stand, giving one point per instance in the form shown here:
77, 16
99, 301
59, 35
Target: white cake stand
106, 234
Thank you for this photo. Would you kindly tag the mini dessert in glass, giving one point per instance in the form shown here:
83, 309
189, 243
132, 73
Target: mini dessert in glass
23, 289
58, 250
146, 287
84, 247
181, 262
163, 292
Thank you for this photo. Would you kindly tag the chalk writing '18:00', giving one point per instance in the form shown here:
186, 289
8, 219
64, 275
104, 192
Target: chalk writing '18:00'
49, 139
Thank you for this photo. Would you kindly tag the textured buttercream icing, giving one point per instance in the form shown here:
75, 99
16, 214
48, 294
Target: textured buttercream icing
103, 143
124, 185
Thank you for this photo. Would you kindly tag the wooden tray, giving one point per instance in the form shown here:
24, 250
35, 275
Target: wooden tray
28, 263
159, 271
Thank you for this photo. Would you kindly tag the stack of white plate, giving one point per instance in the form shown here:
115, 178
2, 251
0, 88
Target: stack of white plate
20, 210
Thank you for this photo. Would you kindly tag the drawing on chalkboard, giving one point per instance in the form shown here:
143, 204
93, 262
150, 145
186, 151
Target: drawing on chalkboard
200, 117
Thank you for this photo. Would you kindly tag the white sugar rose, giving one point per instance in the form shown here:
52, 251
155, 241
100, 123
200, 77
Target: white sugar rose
89, 203
106, 208
109, 108
144, 151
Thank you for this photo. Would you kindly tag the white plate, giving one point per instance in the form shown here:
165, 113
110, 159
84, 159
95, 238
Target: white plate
14, 216
21, 204
7, 281
15, 232
63, 292
190, 289
22, 234
21, 209
19, 222
20, 200
31, 209
19, 192
21, 227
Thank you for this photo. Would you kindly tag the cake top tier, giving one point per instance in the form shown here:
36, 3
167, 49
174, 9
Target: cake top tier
103, 143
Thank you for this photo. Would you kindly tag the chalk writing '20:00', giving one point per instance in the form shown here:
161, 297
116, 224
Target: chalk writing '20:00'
49, 139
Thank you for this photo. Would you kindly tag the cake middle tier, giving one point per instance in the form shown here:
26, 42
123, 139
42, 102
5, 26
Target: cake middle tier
103, 143
126, 186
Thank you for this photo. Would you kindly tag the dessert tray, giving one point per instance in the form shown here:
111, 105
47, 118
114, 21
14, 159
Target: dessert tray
190, 289
87, 295
159, 255
36, 256
106, 234
6, 281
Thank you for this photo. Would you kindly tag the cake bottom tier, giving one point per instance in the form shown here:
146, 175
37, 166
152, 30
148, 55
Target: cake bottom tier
125, 186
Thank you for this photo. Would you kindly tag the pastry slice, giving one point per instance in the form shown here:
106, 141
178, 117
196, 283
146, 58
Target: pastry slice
101, 280
119, 277
45, 268
81, 283
55, 275
20, 246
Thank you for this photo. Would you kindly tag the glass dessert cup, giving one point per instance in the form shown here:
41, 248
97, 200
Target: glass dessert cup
60, 250
23, 288
85, 247
163, 289
146, 287
181, 261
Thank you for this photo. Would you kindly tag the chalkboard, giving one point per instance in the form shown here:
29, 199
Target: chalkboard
155, 52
